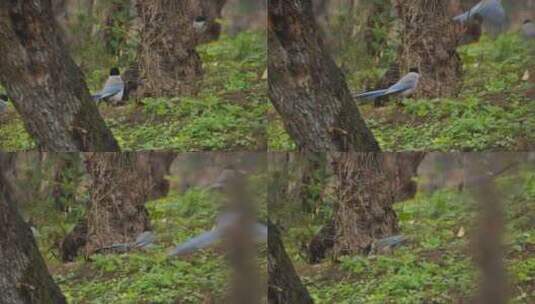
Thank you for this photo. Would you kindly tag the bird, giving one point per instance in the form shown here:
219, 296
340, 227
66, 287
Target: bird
528, 29
405, 87
199, 24
491, 11
224, 222
386, 244
35, 232
29, 221
143, 240
471, 30
3, 102
113, 88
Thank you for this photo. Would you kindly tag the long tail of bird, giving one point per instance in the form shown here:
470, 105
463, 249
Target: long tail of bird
204, 240
369, 95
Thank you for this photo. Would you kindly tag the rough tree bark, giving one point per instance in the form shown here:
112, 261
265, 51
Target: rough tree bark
61, 14
24, 277
307, 88
168, 63
321, 11
46, 86
364, 199
429, 41
121, 184
118, 191
367, 185
284, 285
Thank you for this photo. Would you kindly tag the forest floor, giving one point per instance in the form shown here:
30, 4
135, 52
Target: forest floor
227, 114
495, 110
436, 265
149, 276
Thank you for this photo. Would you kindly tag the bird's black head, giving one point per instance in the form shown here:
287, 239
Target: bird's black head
527, 21
114, 72
200, 19
4, 97
414, 70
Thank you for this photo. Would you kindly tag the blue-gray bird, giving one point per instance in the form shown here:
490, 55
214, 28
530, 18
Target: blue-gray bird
3, 102
491, 11
214, 236
386, 244
405, 87
528, 29
143, 240
113, 88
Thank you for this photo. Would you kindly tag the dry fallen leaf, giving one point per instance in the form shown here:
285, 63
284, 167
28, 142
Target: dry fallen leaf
526, 76
461, 232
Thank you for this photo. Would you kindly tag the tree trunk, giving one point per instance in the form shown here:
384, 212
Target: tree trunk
212, 10
321, 243
402, 167
169, 64
121, 184
367, 185
61, 15
364, 199
321, 12
487, 241
8, 172
307, 88
429, 41
239, 239
24, 275
156, 166
284, 285
47, 88
77, 238
119, 190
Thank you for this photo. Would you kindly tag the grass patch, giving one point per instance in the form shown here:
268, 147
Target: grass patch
436, 266
495, 110
149, 277
229, 113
